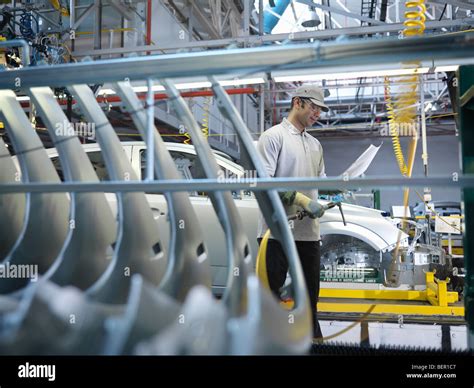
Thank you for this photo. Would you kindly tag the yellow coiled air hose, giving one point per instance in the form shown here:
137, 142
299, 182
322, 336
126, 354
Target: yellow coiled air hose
205, 119
188, 137
415, 18
403, 115
393, 130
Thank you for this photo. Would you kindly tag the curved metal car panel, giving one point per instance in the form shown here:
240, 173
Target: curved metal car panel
138, 246
188, 263
147, 313
45, 226
238, 248
92, 225
200, 329
12, 206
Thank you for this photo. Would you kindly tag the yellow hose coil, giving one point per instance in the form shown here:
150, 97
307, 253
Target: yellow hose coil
403, 115
415, 18
393, 130
205, 119
188, 138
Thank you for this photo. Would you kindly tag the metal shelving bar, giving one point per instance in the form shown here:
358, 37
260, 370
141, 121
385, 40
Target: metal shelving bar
462, 181
349, 54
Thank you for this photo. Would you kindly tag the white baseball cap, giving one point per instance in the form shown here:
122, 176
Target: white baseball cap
314, 93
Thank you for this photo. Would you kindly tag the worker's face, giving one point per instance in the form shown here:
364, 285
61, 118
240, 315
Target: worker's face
308, 112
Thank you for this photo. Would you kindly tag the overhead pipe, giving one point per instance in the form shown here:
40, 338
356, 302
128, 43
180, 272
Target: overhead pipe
349, 100
163, 96
270, 18
347, 54
148, 24
260, 184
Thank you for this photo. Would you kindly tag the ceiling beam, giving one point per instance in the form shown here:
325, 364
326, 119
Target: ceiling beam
293, 36
342, 12
127, 13
204, 21
461, 4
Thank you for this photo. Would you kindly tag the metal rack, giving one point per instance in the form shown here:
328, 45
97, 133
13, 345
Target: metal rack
249, 321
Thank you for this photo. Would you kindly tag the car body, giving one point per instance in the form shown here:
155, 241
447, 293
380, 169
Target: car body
373, 235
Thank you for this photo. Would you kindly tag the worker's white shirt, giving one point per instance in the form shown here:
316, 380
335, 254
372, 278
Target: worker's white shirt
287, 152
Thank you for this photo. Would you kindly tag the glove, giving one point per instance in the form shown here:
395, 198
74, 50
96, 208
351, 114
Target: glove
313, 208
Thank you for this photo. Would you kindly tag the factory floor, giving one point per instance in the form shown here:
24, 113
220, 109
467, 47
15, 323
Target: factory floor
438, 332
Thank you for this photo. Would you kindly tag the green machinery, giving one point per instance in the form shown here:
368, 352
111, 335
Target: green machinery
465, 81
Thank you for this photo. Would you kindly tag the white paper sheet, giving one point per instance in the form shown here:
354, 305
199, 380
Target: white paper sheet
362, 163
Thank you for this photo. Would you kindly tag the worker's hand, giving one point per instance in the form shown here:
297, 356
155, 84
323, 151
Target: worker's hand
312, 207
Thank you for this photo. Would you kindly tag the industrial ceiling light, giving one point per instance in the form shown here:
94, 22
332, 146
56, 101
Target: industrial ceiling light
280, 77
311, 19
317, 74
446, 68
193, 85
206, 84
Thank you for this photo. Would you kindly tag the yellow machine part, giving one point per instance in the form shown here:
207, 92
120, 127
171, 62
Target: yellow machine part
438, 300
57, 5
261, 267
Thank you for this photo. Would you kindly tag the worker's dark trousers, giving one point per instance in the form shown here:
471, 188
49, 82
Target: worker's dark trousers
277, 268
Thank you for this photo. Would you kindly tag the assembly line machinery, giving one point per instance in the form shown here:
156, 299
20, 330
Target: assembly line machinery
163, 305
